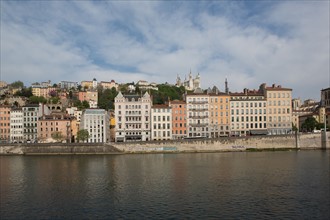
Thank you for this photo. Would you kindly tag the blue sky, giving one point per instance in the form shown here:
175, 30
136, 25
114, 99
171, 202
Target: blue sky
249, 42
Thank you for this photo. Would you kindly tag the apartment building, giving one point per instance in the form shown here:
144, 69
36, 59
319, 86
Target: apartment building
198, 114
219, 113
109, 85
161, 122
279, 108
96, 122
90, 96
248, 113
132, 116
16, 125
68, 85
30, 120
4, 123
42, 91
179, 119
48, 125
89, 84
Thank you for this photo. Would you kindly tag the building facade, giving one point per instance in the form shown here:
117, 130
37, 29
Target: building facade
179, 119
42, 91
109, 85
96, 122
161, 122
219, 113
16, 125
54, 128
132, 116
248, 113
4, 123
30, 120
68, 85
198, 114
279, 109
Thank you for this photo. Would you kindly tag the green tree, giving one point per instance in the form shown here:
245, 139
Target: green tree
57, 136
54, 100
85, 104
37, 100
82, 135
309, 124
106, 98
26, 92
17, 84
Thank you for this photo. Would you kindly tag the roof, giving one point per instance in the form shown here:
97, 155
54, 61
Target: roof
177, 102
160, 106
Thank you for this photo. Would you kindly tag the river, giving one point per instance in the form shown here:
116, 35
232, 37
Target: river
236, 185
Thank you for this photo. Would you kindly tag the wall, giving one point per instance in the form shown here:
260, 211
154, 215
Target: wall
306, 141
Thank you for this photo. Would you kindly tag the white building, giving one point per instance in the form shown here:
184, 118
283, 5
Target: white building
190, 83
132, 116
68, 85
198, 114
30, 119
248, 113
97, 123
16, 125
161, 122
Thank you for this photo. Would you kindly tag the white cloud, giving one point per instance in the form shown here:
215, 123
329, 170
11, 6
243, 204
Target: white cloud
286, 43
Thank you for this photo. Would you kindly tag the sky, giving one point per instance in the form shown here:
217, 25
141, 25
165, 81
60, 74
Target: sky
248, 42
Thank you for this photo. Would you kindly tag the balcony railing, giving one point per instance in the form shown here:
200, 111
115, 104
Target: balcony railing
198, 124
198, 109
198, 117
197, 102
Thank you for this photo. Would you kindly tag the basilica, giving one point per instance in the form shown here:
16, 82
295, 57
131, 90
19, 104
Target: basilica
190, 83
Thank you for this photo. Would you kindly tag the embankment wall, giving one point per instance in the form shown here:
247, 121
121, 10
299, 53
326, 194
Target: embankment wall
302, 141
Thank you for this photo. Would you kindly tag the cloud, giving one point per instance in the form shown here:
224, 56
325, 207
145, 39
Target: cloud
277, 42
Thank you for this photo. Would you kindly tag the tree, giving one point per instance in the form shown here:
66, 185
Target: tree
17, 84
57, 135
26, 92
106, 98
37, 100
85, 104
309, 124
82, 135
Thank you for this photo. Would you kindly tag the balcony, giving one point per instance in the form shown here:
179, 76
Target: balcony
197, 102
198, 117
198, 109
198, 124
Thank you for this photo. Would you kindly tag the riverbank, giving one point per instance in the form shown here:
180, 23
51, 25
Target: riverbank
254, 143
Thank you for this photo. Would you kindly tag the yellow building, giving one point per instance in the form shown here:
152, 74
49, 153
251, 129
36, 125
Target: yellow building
219, 113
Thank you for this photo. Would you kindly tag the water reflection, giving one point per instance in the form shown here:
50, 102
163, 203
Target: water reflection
226, 185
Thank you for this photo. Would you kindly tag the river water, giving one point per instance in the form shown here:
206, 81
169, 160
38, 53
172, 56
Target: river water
241, 185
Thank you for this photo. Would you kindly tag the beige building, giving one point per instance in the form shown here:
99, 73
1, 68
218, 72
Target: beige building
279, 109
132, 116
161, 122
109, 85
248, 113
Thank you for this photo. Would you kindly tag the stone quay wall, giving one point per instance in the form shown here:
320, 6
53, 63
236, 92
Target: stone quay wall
301, 141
